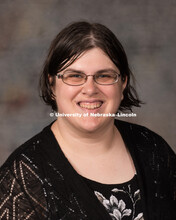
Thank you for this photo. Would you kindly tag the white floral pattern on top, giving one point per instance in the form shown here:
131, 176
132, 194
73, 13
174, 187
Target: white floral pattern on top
117, 208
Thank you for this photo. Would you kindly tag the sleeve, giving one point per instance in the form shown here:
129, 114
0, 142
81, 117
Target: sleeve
170, 164
164, 159
163, 162
166, 166
21, 192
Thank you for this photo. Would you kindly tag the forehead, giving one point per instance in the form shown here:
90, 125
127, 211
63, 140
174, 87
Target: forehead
93, 60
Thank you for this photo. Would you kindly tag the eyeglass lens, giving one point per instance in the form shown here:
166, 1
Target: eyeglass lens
104, 78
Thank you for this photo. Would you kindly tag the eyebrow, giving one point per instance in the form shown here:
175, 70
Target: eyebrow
73, 70
99, 71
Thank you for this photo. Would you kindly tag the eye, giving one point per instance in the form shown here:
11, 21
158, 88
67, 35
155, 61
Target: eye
75, 75
104, 75
73, 78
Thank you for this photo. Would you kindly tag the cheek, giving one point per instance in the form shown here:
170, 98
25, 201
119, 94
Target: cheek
65, 94
114, 93
114, 96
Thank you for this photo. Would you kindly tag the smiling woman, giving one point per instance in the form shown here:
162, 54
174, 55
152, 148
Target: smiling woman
75, 94
92, 168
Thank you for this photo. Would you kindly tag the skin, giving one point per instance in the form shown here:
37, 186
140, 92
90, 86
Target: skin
68, 97
90, 142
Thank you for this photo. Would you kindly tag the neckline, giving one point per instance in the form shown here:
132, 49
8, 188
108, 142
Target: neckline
73, 183
134, 178
71, 168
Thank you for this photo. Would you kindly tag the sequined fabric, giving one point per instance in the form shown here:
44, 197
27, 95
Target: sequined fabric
22, 195
37, 181
25, 193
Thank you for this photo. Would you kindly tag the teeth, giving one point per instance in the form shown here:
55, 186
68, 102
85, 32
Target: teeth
90, 105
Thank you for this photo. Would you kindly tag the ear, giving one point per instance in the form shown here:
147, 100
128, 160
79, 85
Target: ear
124, 84
50, 78
52, 84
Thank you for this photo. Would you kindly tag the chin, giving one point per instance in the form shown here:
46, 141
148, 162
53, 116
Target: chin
89, 130
91, 125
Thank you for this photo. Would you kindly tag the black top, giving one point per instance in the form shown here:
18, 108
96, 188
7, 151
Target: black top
38, 182
122, 201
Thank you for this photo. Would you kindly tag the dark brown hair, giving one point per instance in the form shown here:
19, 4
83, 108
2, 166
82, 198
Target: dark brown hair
73, 41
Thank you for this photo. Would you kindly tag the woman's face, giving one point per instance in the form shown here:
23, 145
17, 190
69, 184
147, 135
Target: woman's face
89, 97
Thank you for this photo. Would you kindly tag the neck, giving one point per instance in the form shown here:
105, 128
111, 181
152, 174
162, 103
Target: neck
84, 143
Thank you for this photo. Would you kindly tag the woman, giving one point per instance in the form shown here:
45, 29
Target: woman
89, 167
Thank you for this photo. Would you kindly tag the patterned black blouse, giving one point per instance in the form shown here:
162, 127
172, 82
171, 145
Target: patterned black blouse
122, 201
37, 182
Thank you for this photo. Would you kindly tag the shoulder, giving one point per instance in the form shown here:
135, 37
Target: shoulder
22, 172
136, 129
151, 151
27, 148
139, 132
28, 153
24, 155
145, 140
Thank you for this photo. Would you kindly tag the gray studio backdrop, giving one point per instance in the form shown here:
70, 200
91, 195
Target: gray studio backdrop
145, 28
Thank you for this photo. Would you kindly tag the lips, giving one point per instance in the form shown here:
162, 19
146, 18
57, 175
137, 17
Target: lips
90, 105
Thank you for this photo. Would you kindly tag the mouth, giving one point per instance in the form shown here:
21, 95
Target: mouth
90, 105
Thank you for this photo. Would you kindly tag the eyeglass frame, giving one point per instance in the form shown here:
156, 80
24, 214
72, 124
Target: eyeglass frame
60, 76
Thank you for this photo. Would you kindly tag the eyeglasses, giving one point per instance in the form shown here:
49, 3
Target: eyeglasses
76, 78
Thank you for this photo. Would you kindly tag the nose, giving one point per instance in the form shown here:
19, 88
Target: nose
90, 86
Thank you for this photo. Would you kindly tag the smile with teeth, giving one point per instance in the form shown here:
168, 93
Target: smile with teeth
91, 105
